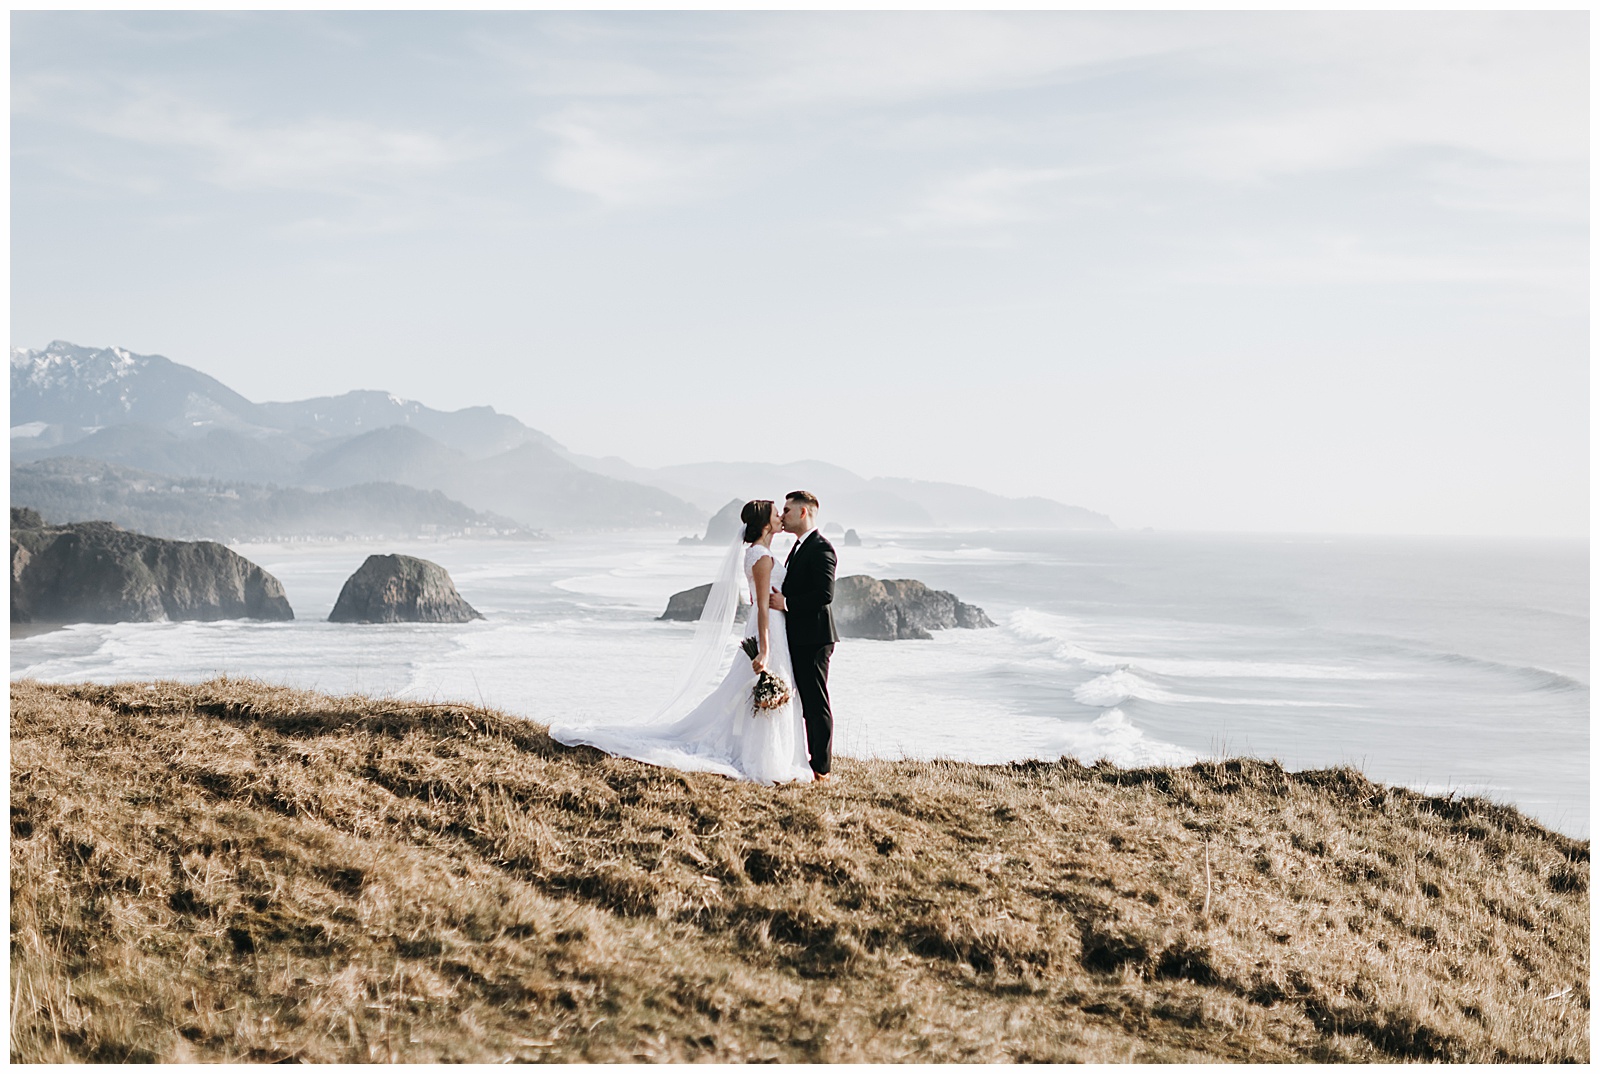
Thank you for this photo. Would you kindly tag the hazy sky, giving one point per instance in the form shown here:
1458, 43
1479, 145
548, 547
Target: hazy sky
1314, 272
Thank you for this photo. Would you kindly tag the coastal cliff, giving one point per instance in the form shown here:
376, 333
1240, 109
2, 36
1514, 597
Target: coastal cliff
95, 572
238, 872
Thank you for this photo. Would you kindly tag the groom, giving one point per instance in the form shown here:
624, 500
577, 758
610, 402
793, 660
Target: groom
807, 604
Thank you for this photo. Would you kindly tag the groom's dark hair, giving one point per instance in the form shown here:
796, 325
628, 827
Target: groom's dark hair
807, 498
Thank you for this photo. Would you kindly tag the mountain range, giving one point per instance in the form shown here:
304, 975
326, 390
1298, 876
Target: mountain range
146, 413
87, 388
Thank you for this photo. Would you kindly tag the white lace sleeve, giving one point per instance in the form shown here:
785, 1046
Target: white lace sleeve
752, 556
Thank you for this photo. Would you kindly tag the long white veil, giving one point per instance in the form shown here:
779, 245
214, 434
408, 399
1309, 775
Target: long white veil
712, 635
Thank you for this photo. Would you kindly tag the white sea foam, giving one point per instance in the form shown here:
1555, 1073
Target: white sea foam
1033, 626
1113, 737
1258, 669
1065, 637
1122, 685
1113, 688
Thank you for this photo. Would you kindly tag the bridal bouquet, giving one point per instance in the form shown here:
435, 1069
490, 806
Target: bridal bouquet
770, 692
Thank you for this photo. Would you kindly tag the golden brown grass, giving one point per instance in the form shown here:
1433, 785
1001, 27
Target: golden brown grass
234, 871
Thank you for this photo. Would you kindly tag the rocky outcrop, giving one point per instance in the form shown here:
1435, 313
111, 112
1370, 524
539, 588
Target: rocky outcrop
898, 609
25, 518
852, 539
95, 572
725, 523
400, 589
864, 607
685, 607
720, 529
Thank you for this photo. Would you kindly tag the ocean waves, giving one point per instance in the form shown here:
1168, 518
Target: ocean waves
1066, 639
1114, 737
1116, 687
1529, 677
1145, 665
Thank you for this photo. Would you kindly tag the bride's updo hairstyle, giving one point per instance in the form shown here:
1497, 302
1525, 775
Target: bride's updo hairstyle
755, 516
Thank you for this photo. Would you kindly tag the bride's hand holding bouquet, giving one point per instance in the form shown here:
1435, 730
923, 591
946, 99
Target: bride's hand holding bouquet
769, 691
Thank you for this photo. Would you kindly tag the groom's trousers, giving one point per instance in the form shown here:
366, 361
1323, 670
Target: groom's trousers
811, 683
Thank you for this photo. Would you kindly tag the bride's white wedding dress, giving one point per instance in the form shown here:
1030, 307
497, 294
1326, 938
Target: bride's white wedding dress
722, 733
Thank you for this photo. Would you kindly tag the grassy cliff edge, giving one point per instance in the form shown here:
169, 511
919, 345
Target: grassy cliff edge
236, 871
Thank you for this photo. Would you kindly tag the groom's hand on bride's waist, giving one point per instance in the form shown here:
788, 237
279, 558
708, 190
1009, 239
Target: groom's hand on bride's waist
775, 602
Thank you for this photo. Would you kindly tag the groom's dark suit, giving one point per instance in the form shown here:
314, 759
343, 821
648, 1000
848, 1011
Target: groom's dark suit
808, 598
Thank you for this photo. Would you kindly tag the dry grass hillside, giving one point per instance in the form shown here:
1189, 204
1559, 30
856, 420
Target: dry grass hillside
231, 871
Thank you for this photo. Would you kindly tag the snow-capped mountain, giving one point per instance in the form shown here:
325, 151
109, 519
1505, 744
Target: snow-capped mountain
80, 389
87, 387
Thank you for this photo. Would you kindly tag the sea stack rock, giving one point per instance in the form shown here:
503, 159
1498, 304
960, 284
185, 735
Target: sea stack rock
400, 589
685, 607
94, 572
898, 609
724, 524
721, 528
852, 539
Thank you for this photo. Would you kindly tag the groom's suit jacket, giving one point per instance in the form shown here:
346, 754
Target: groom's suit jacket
808, 592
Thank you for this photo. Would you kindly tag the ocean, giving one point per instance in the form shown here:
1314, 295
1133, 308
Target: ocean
1442, 664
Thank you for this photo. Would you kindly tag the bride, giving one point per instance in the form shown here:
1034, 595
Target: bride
723, 732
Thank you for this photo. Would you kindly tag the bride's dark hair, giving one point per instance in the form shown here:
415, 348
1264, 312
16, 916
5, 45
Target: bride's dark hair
755, 516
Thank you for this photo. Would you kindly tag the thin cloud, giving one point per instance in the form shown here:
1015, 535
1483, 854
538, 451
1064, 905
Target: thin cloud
633, 123
983, 198
621, 167
885, 59
1359, 260
319, 153
1235, 100
1349, 89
